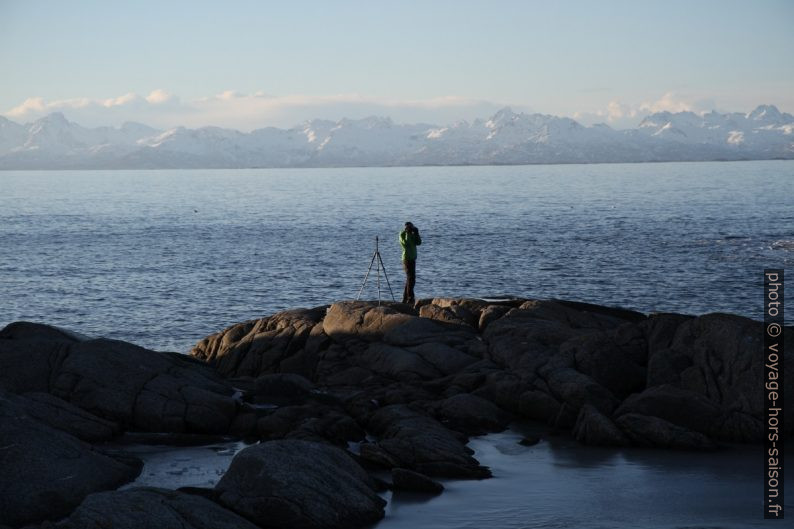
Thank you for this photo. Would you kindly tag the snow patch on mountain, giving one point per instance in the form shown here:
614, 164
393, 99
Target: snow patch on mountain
507, 137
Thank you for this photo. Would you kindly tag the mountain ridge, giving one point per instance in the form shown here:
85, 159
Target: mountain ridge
507, 137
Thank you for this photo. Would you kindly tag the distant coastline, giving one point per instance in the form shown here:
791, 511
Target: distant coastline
506, 138
256, 168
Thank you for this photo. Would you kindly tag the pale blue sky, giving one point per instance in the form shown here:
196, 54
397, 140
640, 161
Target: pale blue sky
413, 60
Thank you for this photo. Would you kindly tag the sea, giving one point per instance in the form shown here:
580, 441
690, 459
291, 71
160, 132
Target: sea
163, 258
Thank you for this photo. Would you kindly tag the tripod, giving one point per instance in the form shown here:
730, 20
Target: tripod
380, 265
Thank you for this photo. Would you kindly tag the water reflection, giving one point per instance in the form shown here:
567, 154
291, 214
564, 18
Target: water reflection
558, 483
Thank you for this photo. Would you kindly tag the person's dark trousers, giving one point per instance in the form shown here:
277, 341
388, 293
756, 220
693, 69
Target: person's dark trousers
410, 280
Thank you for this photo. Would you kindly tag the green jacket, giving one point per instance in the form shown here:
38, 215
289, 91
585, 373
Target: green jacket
409, 242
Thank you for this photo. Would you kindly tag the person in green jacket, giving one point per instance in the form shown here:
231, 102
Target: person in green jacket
409, 240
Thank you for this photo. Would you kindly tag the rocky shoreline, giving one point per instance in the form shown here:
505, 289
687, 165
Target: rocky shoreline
332, 396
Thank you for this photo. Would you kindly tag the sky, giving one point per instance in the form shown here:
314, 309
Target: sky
251, 64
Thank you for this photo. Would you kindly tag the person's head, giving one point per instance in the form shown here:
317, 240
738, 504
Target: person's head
409, 227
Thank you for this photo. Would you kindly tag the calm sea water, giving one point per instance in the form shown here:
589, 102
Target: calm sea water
558, 484
163, 258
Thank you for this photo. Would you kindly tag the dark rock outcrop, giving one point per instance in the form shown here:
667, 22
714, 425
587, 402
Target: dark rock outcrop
406, 384
541, 359
309, 421
116, 381
299, 484
692, 410
260, 346
412, 440
460, 311
404, 479
151, 508
594, 428
470, 414
277, 388
658, 433
615, 359
61, 415
47, 472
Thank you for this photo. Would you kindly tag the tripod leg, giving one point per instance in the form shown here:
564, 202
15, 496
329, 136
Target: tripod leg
386, 276
366, 276
378, 271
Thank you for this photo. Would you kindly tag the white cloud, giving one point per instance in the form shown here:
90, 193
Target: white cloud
159, 96
669, 102
242, 111
31, 105
617, 110
37, 106
249, 111
622, 115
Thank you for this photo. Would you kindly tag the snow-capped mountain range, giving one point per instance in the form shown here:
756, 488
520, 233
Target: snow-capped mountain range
53, 142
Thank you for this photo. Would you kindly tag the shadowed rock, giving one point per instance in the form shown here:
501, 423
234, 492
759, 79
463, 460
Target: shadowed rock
470, 414
594, 428
615, 359
117, 381
522, 342
657, 433
445, 359
574, 390
417, 331
47, 472
278, 388
723, 352
538, 405
151, 508
693, 411
299, 484
396, 363
524, 339
311, 421
415, 441
61, 415
578, 315
404, 479
25, 330
490, 314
